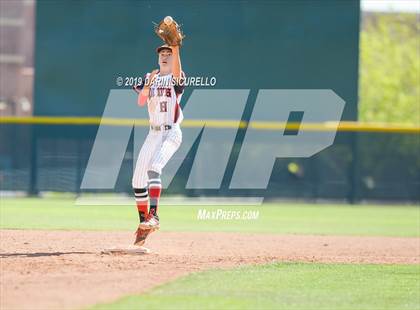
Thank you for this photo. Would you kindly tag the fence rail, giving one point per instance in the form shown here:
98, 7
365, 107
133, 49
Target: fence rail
366, 162
344, 126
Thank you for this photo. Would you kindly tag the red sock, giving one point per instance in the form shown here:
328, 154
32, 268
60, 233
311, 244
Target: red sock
142, 202
142, 207
154, 193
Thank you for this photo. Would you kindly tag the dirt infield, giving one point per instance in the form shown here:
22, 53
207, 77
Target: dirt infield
66, 269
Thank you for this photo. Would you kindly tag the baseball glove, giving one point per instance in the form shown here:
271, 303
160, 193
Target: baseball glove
169, 31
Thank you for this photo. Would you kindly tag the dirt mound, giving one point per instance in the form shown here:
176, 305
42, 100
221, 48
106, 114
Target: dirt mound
67, 269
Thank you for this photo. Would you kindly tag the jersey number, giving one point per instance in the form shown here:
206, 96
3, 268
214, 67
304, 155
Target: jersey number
163, 106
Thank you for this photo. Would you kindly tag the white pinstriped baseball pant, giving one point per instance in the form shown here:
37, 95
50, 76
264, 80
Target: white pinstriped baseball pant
155, 153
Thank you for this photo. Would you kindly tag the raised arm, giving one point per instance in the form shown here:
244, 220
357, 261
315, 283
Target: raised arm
176, 63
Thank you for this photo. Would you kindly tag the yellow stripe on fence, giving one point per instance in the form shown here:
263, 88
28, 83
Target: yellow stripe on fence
258, 125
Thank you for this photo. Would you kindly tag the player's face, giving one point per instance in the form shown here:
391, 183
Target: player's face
165, 61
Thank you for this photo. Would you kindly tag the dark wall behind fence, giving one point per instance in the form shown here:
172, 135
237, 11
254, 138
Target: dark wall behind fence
83, 46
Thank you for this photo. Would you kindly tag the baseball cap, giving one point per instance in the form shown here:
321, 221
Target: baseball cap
163, 47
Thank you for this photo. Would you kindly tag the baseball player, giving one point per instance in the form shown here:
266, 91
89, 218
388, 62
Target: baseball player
161, 90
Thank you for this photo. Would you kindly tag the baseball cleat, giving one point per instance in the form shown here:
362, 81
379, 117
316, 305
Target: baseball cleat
151, 223
141, 235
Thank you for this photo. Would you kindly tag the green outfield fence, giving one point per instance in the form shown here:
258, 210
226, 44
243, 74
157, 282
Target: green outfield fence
316, 46
381, 162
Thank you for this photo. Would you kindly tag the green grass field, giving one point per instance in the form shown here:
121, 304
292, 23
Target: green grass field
286, 286
273, 286
364, 220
